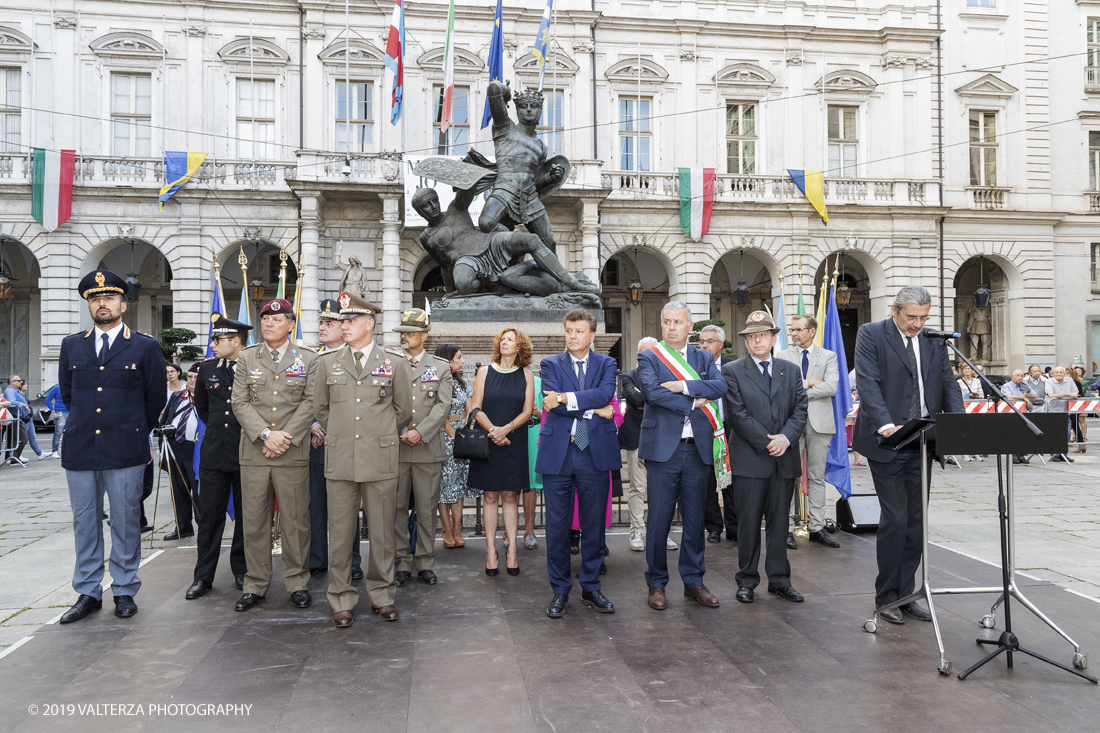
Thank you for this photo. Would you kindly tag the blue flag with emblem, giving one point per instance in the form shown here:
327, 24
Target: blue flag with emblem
542, 40
217, 305
496, 59
837, 471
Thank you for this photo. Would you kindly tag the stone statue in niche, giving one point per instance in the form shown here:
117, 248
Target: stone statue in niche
980, 330
354, 280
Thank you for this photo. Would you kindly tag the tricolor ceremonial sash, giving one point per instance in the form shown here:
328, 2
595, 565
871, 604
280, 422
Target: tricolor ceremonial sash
679, 366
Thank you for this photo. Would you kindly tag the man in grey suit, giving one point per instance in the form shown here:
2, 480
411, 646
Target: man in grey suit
766, 408
820, 377
713, 339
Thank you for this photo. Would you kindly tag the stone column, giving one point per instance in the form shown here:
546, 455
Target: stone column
391, 267
192, 289
309, 267
693, 282
59, 264
590, 239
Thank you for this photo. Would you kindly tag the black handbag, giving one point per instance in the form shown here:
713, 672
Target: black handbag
472, 440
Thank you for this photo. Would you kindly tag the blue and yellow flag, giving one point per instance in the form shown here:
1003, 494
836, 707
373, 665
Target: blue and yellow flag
496, 59
542, 40
180, 167
812, 186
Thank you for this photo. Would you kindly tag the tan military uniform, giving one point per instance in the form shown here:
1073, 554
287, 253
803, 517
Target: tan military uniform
274, 396
421, 465
362, 413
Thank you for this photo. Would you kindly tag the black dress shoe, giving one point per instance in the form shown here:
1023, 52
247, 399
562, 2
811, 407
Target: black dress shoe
247, 601
428, 577
177, 535
301, 598
316, 571
238, 580
787, 592
146, 528
603, 568
574, 547
598, 601
744, 595
125, 606
198, 590
791, 544
357, 573
556, 609
401, 577
83, 606
912, 609
892, 616
714, 537
822, 538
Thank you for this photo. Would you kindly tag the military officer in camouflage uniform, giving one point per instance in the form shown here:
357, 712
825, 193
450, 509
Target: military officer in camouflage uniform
422, 451
273, 401
364, 399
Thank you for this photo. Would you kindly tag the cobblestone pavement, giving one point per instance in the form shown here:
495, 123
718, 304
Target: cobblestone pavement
1057, 529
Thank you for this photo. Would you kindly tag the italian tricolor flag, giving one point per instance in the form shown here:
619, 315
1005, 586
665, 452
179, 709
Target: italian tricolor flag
448, 71
696, 200
52, 187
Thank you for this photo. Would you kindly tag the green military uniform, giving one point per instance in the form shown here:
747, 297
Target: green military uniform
421, 465
275, 395
362, 408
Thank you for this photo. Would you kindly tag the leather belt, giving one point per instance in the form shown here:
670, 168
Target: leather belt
687, 440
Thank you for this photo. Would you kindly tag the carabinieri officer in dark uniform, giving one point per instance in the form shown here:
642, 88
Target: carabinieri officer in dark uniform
112, 380
219, 462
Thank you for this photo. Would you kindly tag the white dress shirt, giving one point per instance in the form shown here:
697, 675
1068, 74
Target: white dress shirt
111, 336
687, 432
571, 397
920, 376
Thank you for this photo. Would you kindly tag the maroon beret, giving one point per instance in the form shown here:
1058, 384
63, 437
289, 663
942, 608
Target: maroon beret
277, 307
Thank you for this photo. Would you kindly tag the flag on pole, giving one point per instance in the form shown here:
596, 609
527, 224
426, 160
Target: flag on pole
781, 322
280, 293
179, 167
812, 186
446, 113
822, 296
496, 59
542, 40
696, 201
52, 186
395, 59
298, 313
837, 471
801, 310
244, 313
217, 305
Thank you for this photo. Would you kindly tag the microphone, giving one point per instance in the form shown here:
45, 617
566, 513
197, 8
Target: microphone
945, 335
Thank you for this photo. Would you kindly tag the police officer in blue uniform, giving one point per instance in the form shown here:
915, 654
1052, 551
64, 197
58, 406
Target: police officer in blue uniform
219, 462
112, 379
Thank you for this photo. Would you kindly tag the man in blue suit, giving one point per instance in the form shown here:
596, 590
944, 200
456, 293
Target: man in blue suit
676, 443
903, 374
578, 447
112, 379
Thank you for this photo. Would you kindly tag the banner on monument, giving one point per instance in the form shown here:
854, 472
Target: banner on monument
445, 192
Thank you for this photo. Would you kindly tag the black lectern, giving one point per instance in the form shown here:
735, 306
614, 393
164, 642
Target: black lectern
1005, 435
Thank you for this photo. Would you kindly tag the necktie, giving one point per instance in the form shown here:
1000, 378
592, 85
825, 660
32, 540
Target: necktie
105, 344
357, 355
914, 377
232, 368
582, 424
805, 363
767, 373
275, 356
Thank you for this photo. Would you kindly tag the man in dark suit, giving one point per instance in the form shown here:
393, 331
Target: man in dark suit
766, 405
678, 382
219, 465
629, 433
112, 379
577, 448
902, 375
712, 339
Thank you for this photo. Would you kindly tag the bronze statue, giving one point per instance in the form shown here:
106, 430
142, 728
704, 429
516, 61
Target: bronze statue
980, 331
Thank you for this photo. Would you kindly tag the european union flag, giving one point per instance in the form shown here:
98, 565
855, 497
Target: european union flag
496, 59
837, 471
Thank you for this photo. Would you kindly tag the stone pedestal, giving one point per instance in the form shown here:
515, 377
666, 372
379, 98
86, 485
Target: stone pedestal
473, 331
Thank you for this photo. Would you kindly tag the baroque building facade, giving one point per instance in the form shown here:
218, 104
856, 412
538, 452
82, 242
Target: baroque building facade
957, 154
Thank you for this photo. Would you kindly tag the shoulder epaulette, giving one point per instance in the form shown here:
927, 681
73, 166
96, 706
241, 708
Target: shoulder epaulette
393, 350
251, 346
87, 333
306, 348
213, 358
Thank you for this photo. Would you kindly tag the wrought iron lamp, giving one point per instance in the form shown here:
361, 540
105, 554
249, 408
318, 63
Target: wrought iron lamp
981, 295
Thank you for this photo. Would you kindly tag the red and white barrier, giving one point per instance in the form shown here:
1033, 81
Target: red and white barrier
983, 406
1084, 406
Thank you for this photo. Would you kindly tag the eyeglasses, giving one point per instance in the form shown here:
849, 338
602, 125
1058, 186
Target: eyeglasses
17, 381
798, 330
708, 342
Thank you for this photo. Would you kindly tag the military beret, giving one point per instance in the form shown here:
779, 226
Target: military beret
101, 281
277, 307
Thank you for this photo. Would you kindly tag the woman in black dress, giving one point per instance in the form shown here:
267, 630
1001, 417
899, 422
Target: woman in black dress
505, 392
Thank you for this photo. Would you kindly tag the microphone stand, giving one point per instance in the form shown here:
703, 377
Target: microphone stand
1008, 643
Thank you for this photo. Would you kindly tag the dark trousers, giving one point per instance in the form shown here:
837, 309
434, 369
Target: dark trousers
318, 516
724, 516
183, 482
147, 489
215, 488
592, 486
897, 484
768, 499
683, 479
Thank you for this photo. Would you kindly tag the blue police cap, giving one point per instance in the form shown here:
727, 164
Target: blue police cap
98, 282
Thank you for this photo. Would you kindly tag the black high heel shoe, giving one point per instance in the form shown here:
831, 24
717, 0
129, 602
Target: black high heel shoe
491, 572
513, 571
